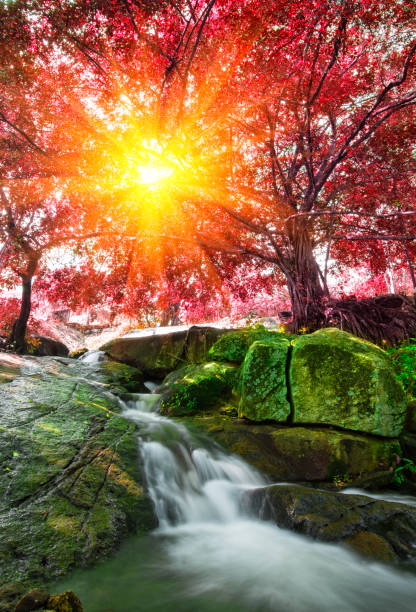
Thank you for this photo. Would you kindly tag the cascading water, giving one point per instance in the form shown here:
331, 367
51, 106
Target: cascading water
210, 555
197, 490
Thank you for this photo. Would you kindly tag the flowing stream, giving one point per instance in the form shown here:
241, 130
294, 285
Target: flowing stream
210, 555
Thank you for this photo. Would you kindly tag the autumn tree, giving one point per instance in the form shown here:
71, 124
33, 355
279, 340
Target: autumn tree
251, 131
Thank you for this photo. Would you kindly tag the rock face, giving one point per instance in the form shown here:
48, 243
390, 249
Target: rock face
71, 485
263, 381
196, 388
384, 530
340, 380
233, 346
300, 454
64, 602
157, 354
47, 347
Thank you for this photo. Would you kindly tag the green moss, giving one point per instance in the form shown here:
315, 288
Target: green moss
73, 480
404, 361
196, 388
234, 345
341, 380
263, 381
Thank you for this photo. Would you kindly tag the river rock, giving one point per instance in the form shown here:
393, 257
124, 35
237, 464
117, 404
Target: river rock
71, 485
303, 454
10, 366
263, 381
340, 380
335, 517
10, 594
47, 347
35, 599
64, 602
196, 388
157, 353
233, 346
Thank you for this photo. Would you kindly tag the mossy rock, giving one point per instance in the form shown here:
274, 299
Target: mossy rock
263, 381
64, 602
123, 376
71, 485
411, 417
196, 388
158, 354
369, 544
78, 353
303, 454
340, 380
389, 527
233, 346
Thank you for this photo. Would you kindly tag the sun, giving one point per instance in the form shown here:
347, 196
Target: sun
153, 175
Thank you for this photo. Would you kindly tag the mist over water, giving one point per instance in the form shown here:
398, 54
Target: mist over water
210, 555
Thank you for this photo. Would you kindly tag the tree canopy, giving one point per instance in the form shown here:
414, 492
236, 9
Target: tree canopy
213, 141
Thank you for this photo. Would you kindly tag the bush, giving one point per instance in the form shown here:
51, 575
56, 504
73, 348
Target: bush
404, 360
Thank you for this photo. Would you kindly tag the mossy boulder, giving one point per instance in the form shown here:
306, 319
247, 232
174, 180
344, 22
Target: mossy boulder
121, 377
302, 454
196, 388
234, 345
64, 602
157, 353
336, 517
263, 381
71, 485
340, 380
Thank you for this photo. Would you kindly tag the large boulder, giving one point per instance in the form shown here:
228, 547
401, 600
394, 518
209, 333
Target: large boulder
301, 454
71, 485
157, 352
263, 381
382, 529
233, 346
196, 388
340, 380
47, 347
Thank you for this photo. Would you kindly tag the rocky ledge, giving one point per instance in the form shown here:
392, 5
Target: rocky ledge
71, 485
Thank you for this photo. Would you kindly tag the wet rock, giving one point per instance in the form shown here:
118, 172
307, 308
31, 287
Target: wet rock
122, 377
305, 454
78, 353
71, 486
411, 417
196, 388
64, 602
10, 365
157, 354
336, 517
370, 544
263, 381
47, 347
10, 593
340, 380
33, 600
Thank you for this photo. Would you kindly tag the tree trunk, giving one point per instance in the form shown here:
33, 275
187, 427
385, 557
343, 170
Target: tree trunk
307, 295
20, 325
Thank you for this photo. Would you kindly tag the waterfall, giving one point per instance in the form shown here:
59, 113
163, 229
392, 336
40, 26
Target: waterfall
226, 555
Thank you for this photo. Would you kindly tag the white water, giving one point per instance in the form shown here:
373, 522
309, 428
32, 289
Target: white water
95, 356
231, 557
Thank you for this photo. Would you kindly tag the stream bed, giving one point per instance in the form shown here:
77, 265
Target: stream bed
210, 554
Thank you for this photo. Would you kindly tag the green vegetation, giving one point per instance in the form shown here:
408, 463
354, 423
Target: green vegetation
402, 471
404, 361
